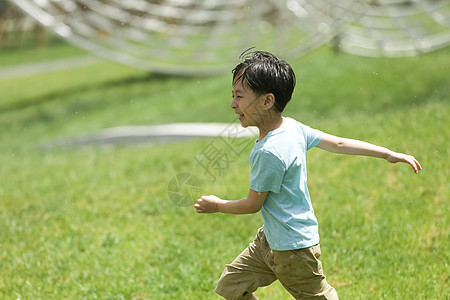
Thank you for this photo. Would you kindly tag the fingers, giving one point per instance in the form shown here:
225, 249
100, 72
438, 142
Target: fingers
198, 207
419, 167
414, 164
202, 205
404, 158
207, 204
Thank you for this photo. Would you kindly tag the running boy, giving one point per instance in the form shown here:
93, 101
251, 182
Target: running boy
287, 247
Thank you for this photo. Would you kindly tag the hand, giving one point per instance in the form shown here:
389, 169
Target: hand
395, 157
208, 204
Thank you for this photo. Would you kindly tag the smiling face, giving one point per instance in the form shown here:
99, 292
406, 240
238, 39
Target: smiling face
258, 81
248, 105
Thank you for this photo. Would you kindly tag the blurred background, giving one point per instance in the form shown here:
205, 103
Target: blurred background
206, 36
94, 221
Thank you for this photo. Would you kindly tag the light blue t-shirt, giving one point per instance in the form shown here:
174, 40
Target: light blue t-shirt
278, 165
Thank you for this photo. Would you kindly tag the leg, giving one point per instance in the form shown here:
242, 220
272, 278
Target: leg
247, 272
300, 272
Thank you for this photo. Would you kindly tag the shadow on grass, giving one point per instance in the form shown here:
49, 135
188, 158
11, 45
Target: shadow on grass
60, 94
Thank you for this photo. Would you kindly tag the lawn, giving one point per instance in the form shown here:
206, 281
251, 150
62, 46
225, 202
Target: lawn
96, 222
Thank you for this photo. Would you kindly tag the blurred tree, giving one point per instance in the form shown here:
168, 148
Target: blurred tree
18, 29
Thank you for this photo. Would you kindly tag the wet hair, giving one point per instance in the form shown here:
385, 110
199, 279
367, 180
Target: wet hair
265, 73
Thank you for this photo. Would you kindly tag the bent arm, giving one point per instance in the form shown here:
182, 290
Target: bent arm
340, 145
249, 205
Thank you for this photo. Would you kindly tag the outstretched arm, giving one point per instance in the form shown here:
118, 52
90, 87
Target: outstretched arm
249, 205
354, 147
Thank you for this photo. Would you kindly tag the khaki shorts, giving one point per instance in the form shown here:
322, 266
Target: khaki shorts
299, 271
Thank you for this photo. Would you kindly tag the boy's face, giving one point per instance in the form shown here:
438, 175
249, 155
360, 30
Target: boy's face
247, 105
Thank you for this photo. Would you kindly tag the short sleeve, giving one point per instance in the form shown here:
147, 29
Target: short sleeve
312, 136
267, 172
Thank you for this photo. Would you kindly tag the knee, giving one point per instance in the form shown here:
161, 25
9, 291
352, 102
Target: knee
234, 290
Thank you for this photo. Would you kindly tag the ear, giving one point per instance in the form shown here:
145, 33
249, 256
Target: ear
269, 101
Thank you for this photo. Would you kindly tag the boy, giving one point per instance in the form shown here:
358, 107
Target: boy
287, 247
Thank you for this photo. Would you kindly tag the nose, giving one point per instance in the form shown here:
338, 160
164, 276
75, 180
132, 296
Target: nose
233, 104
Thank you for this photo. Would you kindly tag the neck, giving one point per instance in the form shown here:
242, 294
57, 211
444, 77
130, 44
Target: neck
270, 124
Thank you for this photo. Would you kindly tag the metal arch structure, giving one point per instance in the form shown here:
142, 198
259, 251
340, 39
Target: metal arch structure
397, 28
192, 37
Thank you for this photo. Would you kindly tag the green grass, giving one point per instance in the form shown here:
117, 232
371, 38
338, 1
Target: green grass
96, 222
22, 55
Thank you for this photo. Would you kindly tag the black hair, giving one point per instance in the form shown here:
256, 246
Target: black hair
265, 73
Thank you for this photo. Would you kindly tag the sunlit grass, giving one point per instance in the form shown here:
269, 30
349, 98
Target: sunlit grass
17, 56
96, 222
